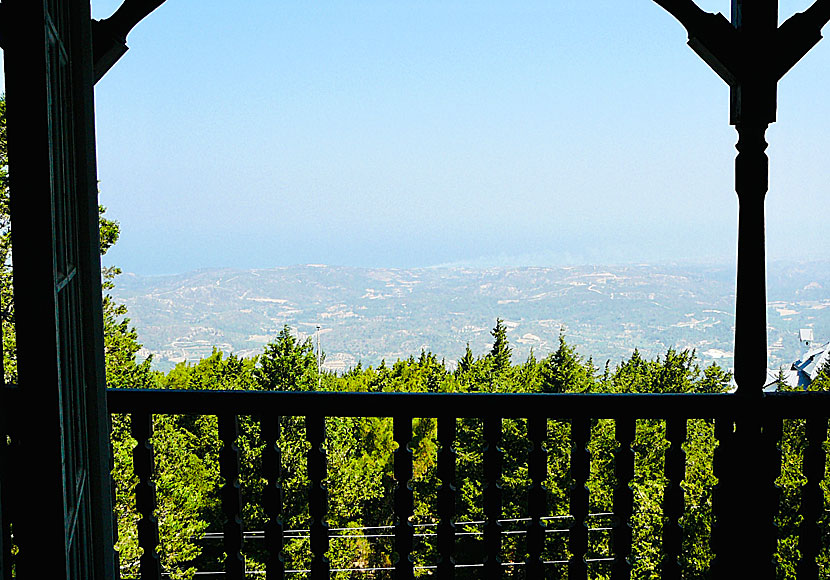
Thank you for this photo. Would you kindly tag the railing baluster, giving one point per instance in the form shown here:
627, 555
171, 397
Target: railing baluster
231, 497
318, 496
115, 512
404, 499
537, 467
5, 495
673, 498
446, 497
725, 498
623, 498
492, 497
580, 468
272, 498
812, 499
141, 427
746, 453
769, 494
5, 537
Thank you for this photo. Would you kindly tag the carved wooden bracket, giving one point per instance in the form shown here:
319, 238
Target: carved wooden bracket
109, 36
752, 53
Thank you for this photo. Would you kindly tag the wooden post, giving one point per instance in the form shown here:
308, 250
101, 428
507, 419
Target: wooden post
751, 55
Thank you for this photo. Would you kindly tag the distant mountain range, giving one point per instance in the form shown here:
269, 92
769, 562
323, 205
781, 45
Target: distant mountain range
373, 314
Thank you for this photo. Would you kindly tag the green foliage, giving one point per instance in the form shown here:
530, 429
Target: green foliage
6, 280
822, 380
108, 230
185, 482
121, 348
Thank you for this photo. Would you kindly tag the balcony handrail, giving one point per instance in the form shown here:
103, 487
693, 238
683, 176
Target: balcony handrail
466, 405
746, 461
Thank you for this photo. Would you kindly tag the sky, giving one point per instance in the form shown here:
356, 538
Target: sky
391, 133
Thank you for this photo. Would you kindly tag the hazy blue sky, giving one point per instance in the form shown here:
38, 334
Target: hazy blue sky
404, 133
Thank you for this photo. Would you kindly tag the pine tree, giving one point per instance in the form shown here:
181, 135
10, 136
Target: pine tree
563, 371
288, 364
822, 380
501, 351
465, 363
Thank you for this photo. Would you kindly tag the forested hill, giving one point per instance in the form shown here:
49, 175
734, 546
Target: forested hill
373, 314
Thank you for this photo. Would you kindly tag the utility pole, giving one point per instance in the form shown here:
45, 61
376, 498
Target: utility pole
751, 54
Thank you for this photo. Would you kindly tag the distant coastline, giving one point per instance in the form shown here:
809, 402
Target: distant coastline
372, 314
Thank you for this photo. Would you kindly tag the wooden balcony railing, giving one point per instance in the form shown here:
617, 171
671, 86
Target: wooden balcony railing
747, 462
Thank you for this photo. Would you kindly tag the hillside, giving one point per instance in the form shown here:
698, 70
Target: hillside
373, 314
